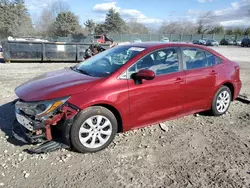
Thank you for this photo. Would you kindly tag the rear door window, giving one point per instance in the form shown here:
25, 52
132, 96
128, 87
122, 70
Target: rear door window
212, 59
194, 58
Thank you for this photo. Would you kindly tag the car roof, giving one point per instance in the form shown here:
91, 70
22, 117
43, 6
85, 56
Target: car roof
161, 44
158, 45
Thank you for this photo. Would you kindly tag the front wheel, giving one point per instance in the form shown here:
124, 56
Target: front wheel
221, 101
93, 130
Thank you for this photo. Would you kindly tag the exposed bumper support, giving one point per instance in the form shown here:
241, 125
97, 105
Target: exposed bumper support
32, 132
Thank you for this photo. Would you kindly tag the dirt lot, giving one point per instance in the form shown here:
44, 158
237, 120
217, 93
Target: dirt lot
196, 151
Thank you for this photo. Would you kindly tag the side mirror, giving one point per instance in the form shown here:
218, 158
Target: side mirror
144, 75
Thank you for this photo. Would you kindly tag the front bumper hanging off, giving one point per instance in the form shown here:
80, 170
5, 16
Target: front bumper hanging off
53, 133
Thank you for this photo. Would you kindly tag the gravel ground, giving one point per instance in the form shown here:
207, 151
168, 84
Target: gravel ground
195, 151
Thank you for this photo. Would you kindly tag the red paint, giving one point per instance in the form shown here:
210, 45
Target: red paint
48, 132
53, 85
145, 74
163, 98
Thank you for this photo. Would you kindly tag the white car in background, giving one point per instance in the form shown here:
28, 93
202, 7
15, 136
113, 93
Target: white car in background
165, 39
238, 43
137, 40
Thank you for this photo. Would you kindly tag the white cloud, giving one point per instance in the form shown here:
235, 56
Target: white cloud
236, 15
204, 1
235, 23
104, 7
35, 5
126, 13
192, 12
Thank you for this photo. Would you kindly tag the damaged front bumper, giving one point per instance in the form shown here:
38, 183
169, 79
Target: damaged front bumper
52, 131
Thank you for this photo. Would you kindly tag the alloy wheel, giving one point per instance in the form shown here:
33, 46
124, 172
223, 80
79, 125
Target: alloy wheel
95, 131
223, 101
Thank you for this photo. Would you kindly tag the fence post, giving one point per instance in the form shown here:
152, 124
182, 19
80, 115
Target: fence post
121, 37
8, 44
77, 52
213, 36
43, 55
150, 37
170, 37
191, 38
181, 37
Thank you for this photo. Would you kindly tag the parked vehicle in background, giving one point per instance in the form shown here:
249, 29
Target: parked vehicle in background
124, 88
137, 40
165, 39
1, 55
212, 42
202, 42
245, 42
227, 42
102, 39
195, 41
238, 43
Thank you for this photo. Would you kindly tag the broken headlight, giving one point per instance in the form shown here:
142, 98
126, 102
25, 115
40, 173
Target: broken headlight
42, 108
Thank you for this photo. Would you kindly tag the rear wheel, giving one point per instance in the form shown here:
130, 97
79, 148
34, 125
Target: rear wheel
221, 101
93, 130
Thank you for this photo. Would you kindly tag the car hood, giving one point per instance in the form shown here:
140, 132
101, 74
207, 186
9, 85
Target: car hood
55, 84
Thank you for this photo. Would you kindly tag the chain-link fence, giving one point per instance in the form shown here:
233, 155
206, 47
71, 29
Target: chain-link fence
173, 37
72, 49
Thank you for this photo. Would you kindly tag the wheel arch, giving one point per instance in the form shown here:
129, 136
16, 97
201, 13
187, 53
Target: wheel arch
230, 85
115, 112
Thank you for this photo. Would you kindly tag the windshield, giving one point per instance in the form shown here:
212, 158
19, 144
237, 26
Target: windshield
107, 62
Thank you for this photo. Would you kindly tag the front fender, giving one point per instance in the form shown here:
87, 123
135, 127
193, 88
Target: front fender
117, 100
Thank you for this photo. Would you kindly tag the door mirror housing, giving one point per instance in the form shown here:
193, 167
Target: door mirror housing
144, 75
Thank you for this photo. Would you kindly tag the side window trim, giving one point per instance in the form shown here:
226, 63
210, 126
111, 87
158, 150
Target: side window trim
178, 55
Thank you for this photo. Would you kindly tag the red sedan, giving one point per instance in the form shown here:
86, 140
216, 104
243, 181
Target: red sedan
124, 88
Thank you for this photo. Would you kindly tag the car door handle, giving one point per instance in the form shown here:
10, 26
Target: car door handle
213, 72
178, 81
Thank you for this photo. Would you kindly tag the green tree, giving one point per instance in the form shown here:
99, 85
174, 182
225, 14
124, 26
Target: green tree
229, 32
48, 16
66, 23
217, 30
90, 24
114, 23
247, 31
14, 19
100, 29
238, 31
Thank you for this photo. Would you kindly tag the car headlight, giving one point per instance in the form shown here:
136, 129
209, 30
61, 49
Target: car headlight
39, 109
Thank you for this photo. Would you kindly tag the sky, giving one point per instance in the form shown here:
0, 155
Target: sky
154, 12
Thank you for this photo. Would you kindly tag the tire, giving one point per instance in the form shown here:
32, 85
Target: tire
94, 123
221, 101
